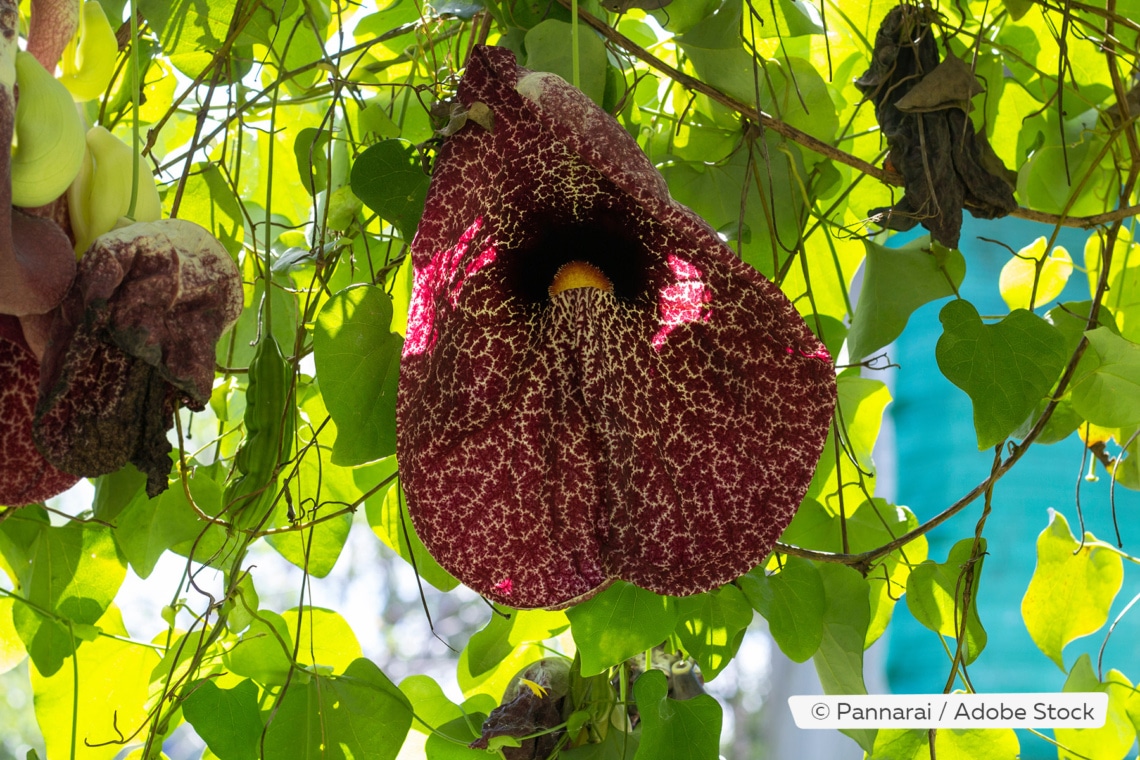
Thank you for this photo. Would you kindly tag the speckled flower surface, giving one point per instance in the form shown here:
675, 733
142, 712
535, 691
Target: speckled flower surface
25, 476
663, 432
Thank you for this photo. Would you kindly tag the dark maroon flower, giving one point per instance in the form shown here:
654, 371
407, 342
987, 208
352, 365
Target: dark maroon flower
133, 340
655, 415
25, 476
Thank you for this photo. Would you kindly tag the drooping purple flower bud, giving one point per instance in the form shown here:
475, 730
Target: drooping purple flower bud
593, 386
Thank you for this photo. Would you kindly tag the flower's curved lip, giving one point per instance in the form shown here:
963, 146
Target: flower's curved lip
539, 482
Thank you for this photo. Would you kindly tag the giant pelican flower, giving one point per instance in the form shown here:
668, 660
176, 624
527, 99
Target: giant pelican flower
593, 386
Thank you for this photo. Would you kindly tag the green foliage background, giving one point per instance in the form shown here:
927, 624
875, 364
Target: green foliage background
299, 132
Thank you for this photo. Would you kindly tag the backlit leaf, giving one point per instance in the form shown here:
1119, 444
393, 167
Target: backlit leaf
1072, 587
862, 402
264, 651
896, 282
711, 627
1115, 738
977, 744
387, 513
147, 528
113, 677
901, 744
73, 572
504, 647
317, 490
325, 639
429, 703
1123, 295
12, 651
935, 594
1106, 389
210, 201
1022, 285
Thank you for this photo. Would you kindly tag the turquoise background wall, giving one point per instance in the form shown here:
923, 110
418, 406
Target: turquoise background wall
938, 461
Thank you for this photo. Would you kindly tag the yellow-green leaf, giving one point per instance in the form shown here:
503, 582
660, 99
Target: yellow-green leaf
1034, 276
12, 651
977, 744
935, 595
1123, 295
712, 626
113, 679
1072, 587
1115, 738
325, 638
1106, 388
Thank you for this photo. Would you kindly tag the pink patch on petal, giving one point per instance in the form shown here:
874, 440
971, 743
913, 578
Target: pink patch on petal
685, 301
820, 354
438, 277
505, 586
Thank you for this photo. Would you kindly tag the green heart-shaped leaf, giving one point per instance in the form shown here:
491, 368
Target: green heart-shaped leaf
358, 362
935, 594
1107, 392
1005, 368
389, 179
896, 282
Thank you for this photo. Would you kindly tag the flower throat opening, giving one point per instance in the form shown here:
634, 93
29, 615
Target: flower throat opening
594, 254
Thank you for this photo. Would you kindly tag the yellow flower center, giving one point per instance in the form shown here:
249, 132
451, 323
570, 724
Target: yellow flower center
579, 274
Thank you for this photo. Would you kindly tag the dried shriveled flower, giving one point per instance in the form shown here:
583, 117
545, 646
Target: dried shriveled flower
134, 339
593, 386
922, 106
